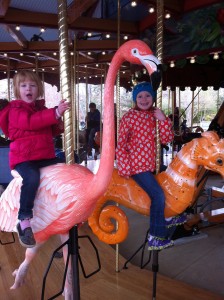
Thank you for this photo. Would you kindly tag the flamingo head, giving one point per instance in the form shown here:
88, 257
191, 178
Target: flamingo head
138, 52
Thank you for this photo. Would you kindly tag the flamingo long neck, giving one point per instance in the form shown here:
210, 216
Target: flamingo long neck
183, 168
103, 176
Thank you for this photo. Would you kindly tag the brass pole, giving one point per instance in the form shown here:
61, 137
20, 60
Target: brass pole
65, 78
192, 110
65, 74
159, 53
43, 83
118, 103
77, 92
8, 77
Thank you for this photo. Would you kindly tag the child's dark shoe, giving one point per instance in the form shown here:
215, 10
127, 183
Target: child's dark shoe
26, 237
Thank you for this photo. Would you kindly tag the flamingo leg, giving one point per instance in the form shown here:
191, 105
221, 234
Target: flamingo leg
21, 272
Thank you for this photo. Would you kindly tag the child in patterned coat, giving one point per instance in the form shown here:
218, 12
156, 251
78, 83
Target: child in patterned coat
136, 158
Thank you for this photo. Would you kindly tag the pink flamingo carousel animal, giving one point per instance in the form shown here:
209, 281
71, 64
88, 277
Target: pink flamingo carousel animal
68, 193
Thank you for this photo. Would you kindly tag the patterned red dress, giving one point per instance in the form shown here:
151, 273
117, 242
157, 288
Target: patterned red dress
136, 148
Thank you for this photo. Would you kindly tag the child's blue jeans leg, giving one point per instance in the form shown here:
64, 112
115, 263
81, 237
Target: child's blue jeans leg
150, 185
30, 172
31, 179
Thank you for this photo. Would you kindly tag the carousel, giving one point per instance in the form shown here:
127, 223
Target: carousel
83, 209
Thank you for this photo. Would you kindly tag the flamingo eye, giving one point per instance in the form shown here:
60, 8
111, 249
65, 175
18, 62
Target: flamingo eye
134, 51
219, 161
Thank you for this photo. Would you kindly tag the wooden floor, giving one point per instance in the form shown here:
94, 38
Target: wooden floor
131, 284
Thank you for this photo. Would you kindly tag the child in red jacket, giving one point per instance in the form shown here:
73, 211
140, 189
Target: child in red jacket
136, 157
30, 126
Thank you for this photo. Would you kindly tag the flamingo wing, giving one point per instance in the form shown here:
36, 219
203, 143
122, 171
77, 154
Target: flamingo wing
61, 198
9, 205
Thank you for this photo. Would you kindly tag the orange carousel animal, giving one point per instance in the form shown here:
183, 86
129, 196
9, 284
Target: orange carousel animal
68, 193
179, 183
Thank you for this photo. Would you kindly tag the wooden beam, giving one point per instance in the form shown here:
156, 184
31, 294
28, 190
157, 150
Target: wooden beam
4, 5
16, 35
87, 45
23, 58
103, 25
77, 8
28, 18
34, 19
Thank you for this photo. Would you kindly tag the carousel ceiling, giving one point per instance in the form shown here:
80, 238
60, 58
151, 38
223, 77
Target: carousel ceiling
193, 34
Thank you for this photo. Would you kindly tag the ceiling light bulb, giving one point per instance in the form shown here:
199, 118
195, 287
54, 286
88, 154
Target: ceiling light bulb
192, 60
21, 54
216, 56
72, 53
167, 15
172, 64
133, 3
89, 53
89, 34
107, 36
55, 53
103, 53
5, 54
97, 65
17, 27
151, 9
125, 37
42, 29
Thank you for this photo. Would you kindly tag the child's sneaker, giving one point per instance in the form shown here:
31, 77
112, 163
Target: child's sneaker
26, 237
176, 221
156, 243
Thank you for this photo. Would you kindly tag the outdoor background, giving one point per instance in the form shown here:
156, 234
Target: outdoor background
205, 103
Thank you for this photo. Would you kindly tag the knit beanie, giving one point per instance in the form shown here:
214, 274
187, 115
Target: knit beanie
143, 86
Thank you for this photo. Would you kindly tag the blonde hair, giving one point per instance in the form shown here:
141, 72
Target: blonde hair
21, 76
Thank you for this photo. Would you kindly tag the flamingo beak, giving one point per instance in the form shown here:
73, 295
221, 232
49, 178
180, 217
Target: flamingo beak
154, 68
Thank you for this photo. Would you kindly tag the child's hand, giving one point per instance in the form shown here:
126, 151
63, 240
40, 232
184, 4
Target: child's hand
158, 114
63, 106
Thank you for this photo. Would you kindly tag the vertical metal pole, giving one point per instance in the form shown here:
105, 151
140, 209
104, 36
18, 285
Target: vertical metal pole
73, 251
8, 78
65, 78
118, 102
69, 145
192, 110
159, 52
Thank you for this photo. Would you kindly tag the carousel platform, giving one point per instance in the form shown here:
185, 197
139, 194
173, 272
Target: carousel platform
127, 284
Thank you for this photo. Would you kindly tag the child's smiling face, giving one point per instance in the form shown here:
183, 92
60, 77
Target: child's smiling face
144, 100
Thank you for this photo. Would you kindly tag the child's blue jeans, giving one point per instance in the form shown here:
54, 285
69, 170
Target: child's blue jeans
148, 183
30, 172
